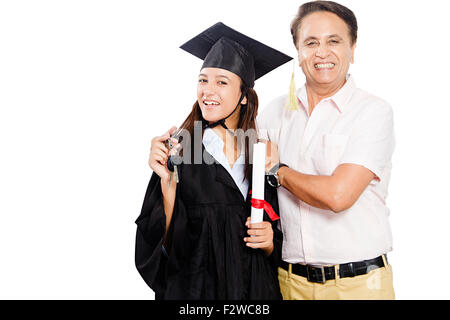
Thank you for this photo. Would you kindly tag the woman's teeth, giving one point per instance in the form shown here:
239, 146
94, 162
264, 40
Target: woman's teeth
324, 65
208, 103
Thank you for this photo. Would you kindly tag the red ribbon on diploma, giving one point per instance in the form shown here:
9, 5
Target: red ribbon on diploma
263, 204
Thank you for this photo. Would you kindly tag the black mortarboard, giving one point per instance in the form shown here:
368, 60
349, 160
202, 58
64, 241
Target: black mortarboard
222, 47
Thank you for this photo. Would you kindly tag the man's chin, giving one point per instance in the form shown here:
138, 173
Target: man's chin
324, 80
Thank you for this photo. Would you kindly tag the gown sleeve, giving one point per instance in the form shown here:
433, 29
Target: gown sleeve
272, 198
153, 260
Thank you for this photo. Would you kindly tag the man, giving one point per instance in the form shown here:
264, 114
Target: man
333, 166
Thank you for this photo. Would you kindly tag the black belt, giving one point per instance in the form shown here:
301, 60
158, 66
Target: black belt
321, 274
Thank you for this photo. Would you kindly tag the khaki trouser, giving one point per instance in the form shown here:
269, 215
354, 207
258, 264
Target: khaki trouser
376, 285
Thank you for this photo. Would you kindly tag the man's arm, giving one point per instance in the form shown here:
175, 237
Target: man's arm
366, 155
337, 192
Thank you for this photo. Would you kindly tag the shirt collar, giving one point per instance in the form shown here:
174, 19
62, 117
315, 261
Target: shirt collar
340, 98
211, 140
214, 145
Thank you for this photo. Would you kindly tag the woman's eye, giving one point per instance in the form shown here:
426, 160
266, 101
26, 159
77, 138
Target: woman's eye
202, 80
222, 82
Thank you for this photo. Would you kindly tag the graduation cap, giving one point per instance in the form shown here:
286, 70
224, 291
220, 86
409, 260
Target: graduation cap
223, 47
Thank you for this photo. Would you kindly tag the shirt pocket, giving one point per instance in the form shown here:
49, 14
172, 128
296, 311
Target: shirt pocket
328, 152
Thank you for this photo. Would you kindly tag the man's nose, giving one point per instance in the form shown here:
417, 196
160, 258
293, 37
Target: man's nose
322, 51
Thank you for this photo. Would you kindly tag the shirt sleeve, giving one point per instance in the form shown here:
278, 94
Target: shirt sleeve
372, 141
268, 122
262, 127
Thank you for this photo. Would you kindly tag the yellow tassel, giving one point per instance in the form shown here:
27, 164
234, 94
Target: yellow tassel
292, 101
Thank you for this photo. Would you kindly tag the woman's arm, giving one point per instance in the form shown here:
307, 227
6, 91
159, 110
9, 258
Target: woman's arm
159, 154
169, 194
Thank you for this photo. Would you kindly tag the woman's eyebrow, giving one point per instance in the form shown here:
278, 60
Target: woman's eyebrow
222, 76
218, 76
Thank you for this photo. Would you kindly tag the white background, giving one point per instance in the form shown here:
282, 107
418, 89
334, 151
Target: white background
85, 85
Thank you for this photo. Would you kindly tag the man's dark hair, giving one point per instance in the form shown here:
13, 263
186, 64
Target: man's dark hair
330, 6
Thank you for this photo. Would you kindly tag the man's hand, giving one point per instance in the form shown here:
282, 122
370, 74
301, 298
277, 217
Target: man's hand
262, 236
272, 156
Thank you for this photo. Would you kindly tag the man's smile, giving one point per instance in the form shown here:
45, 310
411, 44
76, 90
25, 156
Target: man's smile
321, 66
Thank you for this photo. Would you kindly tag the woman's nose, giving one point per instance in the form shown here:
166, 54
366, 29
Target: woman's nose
207, 89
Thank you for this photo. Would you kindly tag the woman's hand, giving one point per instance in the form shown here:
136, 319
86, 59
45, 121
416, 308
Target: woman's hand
159, 154
262, 236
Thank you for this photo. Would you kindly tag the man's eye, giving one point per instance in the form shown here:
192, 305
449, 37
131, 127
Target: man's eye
334, 41
309, 44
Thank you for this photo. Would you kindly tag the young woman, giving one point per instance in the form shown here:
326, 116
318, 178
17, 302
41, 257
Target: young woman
194, 238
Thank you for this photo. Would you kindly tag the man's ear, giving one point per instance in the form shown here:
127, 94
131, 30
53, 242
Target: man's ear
352, 58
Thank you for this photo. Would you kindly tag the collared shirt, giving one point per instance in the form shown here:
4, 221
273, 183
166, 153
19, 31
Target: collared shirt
354, 127
214, 145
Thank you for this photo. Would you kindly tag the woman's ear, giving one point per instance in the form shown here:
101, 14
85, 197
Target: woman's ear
244, 101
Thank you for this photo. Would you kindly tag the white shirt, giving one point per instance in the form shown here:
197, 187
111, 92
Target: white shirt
214, 145
352, 126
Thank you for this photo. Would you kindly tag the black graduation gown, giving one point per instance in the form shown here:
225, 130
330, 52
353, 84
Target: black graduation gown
206, 255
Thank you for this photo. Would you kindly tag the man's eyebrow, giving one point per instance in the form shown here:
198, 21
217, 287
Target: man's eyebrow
330, 36
335, 36
310, 38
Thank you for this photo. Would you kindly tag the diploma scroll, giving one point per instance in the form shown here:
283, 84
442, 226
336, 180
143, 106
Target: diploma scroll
258, 176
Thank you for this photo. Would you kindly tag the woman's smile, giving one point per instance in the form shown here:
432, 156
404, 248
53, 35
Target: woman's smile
211, 104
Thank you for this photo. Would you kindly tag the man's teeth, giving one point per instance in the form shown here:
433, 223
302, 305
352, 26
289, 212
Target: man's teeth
324, 65
210, 103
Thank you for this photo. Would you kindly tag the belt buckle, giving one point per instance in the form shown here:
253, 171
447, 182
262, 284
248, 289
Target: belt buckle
310, 270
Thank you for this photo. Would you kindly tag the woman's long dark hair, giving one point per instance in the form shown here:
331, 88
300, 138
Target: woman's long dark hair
247, 120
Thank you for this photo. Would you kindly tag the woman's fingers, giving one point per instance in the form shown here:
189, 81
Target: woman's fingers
261, 236
260, 245
160, 154
265, 225
176, 147
256, 236
259, 232
172, 130
165, 136
159, 145
260, 225
257, 239
161, 158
